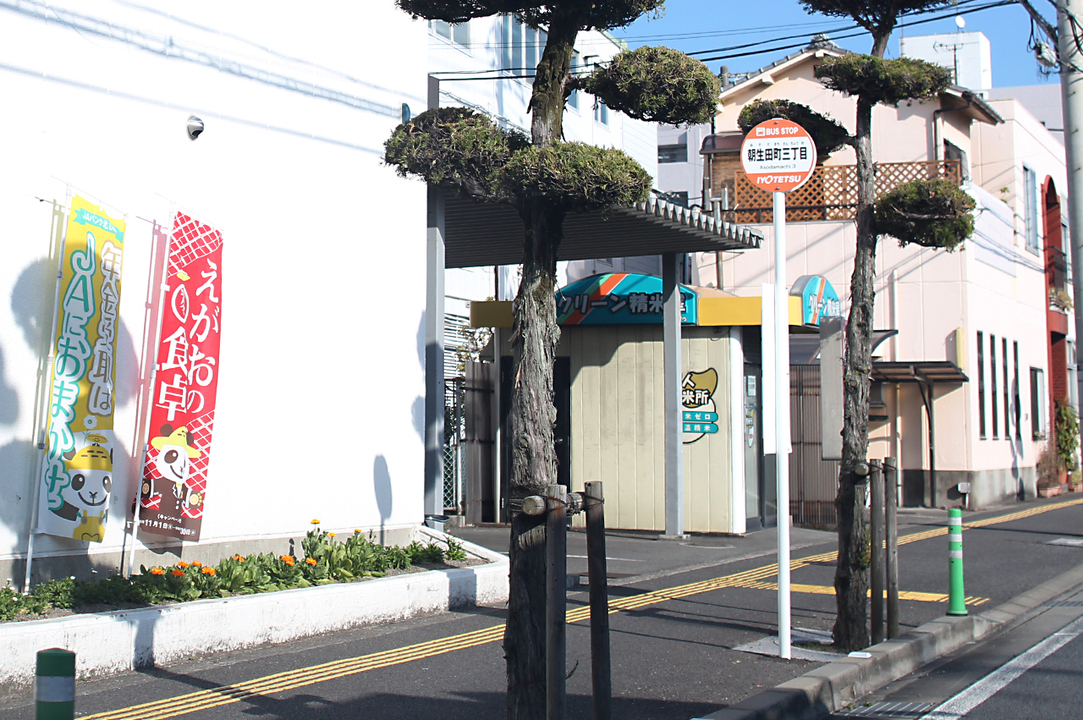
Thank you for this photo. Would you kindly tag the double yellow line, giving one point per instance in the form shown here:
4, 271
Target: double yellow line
292, 679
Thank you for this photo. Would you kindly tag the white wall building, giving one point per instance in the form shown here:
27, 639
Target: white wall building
321, 369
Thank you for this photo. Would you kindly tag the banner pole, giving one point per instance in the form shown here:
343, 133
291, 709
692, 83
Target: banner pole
163, 287
45, 385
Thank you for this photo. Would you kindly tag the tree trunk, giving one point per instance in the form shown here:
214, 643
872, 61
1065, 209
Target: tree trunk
532, 413
851, 581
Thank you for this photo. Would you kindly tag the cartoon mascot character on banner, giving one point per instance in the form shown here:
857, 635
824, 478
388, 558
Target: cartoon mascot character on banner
86, 498
172, 467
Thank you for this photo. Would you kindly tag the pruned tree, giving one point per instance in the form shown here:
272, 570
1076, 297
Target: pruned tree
872, 80
543, 178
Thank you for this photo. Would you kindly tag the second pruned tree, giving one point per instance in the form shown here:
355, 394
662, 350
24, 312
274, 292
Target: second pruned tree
932, 213
544, 178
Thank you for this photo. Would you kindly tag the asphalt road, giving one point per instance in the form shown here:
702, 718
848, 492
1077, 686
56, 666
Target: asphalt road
1028, 672
675, 634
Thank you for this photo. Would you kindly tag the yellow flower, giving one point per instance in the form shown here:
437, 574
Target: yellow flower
331, 535
315, 521
357, 530
310, 561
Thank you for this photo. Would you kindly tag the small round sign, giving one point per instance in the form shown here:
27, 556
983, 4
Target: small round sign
778, 155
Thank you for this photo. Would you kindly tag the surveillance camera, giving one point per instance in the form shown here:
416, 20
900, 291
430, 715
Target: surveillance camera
195, 127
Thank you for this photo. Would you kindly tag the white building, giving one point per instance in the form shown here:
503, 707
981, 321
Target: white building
321, 378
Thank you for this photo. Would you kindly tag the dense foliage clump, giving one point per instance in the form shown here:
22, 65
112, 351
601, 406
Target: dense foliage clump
827, 133
931, 213
456, 148
465, 151
657, 84
880, 81
593, 15
578, 177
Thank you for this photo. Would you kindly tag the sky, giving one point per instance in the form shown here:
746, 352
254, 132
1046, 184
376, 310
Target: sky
712, 28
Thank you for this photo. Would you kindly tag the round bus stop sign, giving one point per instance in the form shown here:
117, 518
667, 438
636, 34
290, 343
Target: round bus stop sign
778, 155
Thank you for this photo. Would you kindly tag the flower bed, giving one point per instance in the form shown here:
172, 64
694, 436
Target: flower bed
326, 560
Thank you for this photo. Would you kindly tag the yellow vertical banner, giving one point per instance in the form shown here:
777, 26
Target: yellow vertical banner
78, 465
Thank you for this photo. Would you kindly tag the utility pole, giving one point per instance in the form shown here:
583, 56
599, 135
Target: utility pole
1071, 87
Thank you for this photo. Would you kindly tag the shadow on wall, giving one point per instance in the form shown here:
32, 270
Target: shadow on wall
381, 483
32, 306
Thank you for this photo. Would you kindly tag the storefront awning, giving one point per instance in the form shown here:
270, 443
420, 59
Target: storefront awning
478, 234
928, 372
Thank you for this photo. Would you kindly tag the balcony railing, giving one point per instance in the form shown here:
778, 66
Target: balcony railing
831, 192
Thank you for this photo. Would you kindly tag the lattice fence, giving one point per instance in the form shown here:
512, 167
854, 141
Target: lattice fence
831, 192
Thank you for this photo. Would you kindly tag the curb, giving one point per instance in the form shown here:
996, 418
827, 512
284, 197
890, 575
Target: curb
827, 689
122, 640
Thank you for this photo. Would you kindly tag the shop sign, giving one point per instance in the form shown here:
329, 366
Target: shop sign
619, 299
818, 299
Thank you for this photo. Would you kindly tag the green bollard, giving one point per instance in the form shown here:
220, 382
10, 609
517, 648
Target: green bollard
54, 686
956, 596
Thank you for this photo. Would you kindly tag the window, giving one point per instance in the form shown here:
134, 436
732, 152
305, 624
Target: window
993, 383
459, 33
673, 153
1030, 209
601, 112
1037, 403
1073, 376
577, 63
522, 46
1015, 393
981, 385
1007, 394
953, 152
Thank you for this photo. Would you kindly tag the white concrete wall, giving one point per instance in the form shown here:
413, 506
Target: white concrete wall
314, 418
966, 54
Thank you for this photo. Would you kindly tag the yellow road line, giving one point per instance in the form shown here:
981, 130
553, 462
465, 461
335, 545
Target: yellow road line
300, 677
915, 595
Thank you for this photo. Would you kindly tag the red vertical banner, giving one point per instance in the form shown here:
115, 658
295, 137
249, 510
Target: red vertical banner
174, 484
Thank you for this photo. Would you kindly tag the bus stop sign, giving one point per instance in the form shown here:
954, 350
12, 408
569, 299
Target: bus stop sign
778, 155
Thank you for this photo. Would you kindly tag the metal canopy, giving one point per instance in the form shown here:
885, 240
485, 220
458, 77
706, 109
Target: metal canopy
923, 371
479, 234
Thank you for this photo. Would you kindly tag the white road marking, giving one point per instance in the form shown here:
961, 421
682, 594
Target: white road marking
958, 706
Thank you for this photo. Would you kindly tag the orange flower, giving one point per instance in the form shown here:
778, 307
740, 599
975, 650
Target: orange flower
239, 558
315, 521
183, 564
357, 530
196, 563
310, 561
331, 535
157, 571
178, 573
208, 571
288, 559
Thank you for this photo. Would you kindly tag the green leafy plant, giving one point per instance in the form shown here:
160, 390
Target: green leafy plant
455, 550
828, 134
931, 213
1066, 434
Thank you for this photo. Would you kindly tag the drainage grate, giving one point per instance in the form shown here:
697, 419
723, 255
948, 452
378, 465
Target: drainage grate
1066, 603
891, 711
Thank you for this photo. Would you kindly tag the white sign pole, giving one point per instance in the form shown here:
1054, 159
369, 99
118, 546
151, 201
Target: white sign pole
782, 422
779, 156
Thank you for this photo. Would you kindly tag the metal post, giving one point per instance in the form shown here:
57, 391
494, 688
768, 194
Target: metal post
876, 552
434, 356
782, 422
601, 681
671, 350
891, 479
1071, 85
956, 594
54, 685
556, 544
